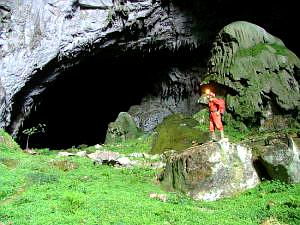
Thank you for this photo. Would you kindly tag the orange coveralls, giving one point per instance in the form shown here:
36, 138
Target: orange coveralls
215, 116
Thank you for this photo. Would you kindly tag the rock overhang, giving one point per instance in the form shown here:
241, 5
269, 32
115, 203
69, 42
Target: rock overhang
60, 33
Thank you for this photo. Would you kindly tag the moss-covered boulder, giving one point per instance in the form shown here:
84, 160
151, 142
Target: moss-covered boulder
177, 132
210, 171
203, 118
124, 128
259, 74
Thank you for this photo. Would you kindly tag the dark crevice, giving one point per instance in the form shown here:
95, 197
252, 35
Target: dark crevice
244, 82
261, 170
218, 89
270, 99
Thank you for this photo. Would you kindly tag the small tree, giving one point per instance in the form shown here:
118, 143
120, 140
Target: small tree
40, 128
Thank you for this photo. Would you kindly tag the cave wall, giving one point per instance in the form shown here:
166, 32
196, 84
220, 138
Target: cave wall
39, 40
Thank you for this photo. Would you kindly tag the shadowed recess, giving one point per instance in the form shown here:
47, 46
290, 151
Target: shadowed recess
78, 106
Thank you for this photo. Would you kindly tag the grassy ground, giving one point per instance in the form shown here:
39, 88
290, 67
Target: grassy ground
46, 189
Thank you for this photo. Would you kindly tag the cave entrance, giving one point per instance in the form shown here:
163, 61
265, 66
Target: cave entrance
77, 107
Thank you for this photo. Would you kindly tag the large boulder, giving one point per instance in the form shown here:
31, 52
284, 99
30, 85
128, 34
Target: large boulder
177, 132
259, 75
210, 171
278, 157
124, 128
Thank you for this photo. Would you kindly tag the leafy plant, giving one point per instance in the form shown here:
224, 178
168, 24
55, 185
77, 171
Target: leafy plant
40, 128
72, 201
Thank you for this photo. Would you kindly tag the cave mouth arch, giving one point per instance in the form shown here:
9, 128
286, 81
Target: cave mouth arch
78, 106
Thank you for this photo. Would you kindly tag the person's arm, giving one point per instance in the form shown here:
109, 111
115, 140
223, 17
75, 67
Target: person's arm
216, 102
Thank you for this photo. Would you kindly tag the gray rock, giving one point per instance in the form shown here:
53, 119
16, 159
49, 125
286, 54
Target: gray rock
110, 158
124, 161
136, 155
176, 95
156, 165
124, 128
100, 4
81, 154
210, 171
65, 154
101, 156
281, 158
39, 40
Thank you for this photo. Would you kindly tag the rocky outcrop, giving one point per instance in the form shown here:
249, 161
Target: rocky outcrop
260, 75
124, 128
277, 157
176, 94
210, 171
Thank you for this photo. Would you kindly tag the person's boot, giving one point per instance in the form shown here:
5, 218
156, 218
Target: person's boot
213, 136
222, 135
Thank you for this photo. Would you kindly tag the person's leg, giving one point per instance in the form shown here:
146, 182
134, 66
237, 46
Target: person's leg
212, 129
216, 117
222, 134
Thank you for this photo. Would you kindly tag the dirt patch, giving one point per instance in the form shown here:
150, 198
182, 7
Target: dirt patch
10, 163
65, 165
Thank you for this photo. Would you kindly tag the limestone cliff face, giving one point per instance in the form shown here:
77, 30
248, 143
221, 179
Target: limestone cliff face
41, 39
260, 74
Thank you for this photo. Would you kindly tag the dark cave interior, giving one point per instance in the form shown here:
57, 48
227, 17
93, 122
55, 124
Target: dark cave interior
280, 19
78, 106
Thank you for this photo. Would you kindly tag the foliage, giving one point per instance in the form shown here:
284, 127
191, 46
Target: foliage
141, 144
72, 201
7, 143
35, 193
40, 128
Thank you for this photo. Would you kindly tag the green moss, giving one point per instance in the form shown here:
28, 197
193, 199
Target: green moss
123, 129
280, 49
253, 51
177, 132
7, 143
203, 119
257, 49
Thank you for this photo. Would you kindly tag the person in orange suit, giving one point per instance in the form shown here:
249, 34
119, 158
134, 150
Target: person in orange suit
216, 108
